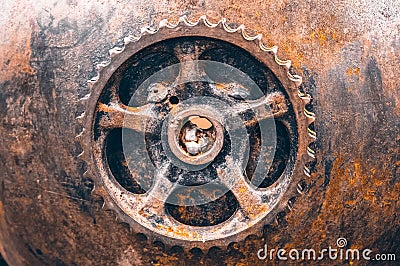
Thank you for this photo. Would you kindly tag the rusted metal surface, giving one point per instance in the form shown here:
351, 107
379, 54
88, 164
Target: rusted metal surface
347, 52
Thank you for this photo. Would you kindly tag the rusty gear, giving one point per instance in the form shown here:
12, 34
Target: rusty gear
252, 201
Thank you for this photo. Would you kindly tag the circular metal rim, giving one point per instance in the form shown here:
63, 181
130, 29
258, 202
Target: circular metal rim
250, 43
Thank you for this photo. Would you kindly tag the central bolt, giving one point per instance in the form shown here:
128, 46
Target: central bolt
197, 135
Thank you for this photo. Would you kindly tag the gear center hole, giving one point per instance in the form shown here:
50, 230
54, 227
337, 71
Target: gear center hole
197, 136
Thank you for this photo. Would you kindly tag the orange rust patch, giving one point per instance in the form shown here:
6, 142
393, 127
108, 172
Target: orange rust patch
370, 195
351, 202
242, 189
130, 108
351, 185
105, 108
177, 231
353, 71
319, 35
220, 86
201, 122
14, 60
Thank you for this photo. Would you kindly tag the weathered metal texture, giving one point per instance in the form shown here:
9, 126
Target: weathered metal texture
348, 53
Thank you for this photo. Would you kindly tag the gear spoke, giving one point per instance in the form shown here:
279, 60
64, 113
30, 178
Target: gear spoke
190, 67
121, 116
154, 200
249, 198
232, 89
272, 105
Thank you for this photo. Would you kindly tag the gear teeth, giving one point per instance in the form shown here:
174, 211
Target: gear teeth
84, 98
228, 28
274, 49
107, 206
131, 38
307, 172
285, 63
102, 65
291, 203
300, 188
311, 152
209, 23
309, 115
99, 68
296, 79
251, 38
80, 117
311, 133
166, 24
241, 29
112, 52
80, 135
86, 174
94, 189
94, 79
310, 119
98, 191
187, 22
148, 30
304, 96
183, 20
288, 64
